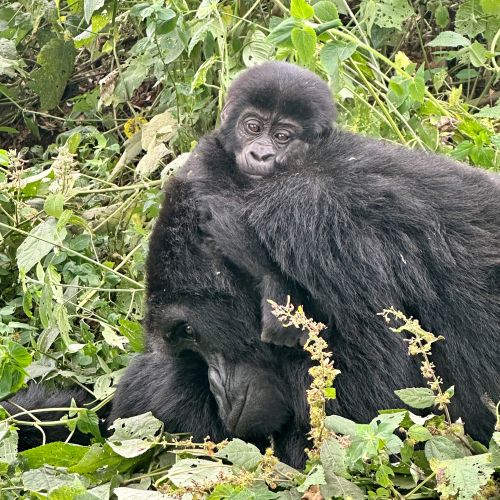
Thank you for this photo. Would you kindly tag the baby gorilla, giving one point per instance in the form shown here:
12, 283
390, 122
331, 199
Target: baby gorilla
355, 225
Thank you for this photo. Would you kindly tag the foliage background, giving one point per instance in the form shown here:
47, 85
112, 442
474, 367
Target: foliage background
100, 100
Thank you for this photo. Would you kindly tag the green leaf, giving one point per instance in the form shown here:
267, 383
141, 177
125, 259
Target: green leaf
57, 61
490, 112
333, 457
442, 16
304, 41
469, 19
315, 477
301, 9
419, 433
8, 444
477, 54
133, 331
54, 205
491, 7
89, 7
463, 478
242, 454
442, 448
340, 425
449, 39
382, 476
56, 454
191, 472
339, 487
416, 397
325, 10
47, 479
281, 34
389, 13
333, 53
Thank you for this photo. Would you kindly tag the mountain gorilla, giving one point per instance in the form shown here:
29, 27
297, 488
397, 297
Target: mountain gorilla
359, 225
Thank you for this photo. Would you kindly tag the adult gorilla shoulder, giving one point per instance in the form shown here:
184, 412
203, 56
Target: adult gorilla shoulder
358, 224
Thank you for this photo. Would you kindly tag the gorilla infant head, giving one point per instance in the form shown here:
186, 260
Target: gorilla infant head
199, 311
272, 113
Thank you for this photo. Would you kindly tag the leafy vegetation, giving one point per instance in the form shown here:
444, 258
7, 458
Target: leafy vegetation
100, 101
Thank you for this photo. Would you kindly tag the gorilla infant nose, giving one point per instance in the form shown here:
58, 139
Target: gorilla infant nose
250, 401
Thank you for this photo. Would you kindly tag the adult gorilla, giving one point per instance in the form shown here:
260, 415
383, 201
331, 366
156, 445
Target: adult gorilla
360, 225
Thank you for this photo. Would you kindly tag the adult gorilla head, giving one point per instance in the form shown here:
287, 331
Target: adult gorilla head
272, 113
204, 314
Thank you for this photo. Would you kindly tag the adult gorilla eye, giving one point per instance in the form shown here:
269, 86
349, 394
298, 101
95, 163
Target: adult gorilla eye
183, 331
253, 126
282, 137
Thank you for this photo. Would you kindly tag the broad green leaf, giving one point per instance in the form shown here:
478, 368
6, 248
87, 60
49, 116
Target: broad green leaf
133, 331
258, 50
57, 454
56, 60
304, 41
89, 7
449, 39
242, 454
469, 19
442, 448
489, 112
325, 11
315, 477
340, 425
301, 9
54, 205
282, 33
339, 487
47, 479
333, 457
477, 54
442, 16
491, 7
382, 476
419, 433
191, 472
123, 493
333, 53
463, 478
416, 397
8, 443
390, 13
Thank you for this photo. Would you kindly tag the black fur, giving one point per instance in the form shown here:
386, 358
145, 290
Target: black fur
361, 225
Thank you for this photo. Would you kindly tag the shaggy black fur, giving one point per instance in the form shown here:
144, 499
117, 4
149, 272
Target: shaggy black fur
362, 225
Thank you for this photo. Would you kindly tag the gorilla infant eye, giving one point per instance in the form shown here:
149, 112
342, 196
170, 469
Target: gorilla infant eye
253, 126
282, 137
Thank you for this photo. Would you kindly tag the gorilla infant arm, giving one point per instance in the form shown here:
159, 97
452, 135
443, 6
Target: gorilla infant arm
358, 224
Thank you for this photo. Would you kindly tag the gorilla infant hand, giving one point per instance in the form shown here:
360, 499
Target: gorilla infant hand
357, 225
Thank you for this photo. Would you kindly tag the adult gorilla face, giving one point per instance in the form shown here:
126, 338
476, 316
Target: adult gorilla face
223, 336
269, 125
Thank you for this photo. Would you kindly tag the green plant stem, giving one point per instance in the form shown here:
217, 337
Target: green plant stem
419, 486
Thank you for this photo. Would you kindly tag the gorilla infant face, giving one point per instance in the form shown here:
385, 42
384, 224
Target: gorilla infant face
241, 371
265, 141
273, 112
